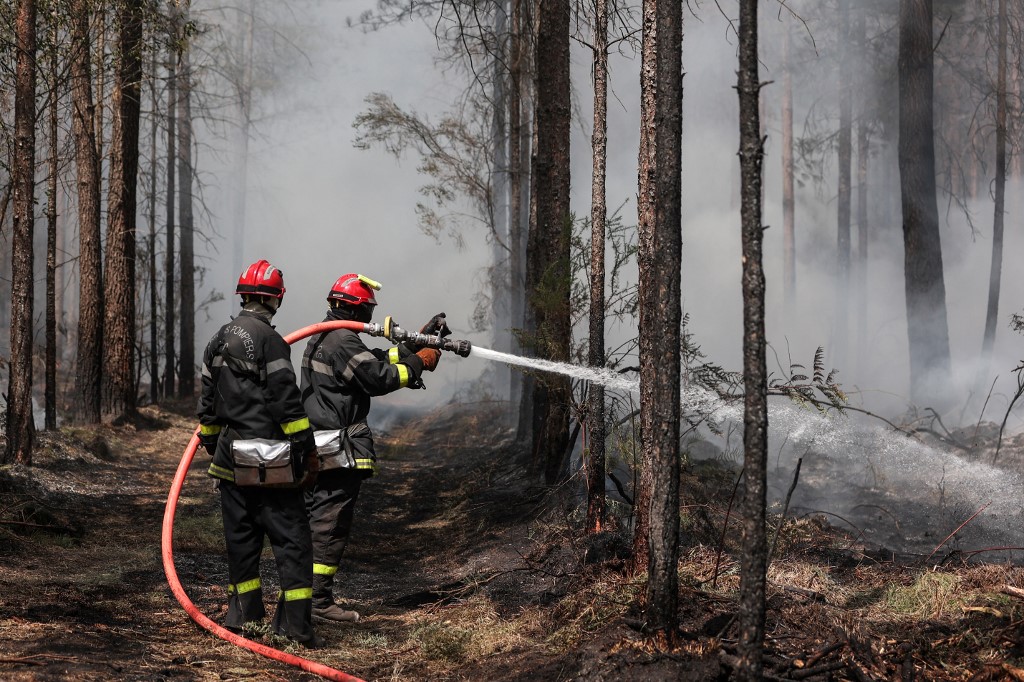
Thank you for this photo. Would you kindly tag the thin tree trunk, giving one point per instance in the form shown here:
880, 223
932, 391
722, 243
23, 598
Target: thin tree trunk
154, 360
788, 198
101, 82
21, 432
996, 269
863, 150
119, 320
549, 240
170, 271
89, 360
244, 131
843, 198
598, 212
520, 135
928, 332
755, 376
659, 257
50, 395
186, 335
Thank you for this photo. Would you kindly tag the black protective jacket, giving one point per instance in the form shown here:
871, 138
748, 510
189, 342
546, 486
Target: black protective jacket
248, 389
339, 376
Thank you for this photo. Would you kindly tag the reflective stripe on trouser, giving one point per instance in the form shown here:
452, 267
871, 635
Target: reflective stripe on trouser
245, 603
279, 514
331, 503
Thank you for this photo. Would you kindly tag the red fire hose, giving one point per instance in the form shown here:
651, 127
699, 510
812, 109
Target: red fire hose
167, 537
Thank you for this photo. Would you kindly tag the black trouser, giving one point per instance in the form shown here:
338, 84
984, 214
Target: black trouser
250, 513
331, 504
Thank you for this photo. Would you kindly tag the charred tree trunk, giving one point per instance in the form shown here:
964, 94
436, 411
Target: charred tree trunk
928, 332
595, 465
186, 333
119, 320
755, 376
788, 198
50, 392
996, 269
547, 267
843, 198
659, 257
21, 431
89, 359
170, 272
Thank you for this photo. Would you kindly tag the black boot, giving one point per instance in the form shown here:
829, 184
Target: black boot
323, 601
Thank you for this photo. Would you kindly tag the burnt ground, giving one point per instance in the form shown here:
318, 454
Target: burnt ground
461, 572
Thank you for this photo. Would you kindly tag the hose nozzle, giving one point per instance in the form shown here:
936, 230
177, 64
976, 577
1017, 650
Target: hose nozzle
391, 331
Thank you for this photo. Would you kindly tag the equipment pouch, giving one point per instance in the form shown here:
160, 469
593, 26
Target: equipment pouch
262, 462
333, 451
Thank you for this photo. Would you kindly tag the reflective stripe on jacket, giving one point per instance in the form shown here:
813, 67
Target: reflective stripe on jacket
340, 375
248, 388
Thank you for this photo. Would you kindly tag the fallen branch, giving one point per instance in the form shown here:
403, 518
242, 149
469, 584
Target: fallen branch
785, 508
804, 673
817, 656
1013, 591
983, 507
725, 526
804, 592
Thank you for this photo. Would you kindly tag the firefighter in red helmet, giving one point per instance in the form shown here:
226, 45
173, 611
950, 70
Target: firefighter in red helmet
251, 416
339, 377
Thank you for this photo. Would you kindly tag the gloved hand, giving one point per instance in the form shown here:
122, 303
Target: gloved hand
209, 442
303, 443
430, 358
311, 471
437, 326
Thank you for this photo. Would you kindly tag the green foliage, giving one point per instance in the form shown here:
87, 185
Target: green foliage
819, 390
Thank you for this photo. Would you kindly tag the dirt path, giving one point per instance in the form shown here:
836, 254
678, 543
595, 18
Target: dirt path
83, 594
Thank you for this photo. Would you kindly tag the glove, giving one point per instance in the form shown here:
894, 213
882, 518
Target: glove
437, 326
430, 358
209, 443
311, 471
303, 443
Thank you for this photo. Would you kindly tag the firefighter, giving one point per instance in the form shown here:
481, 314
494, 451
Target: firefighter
249, 392
339, 376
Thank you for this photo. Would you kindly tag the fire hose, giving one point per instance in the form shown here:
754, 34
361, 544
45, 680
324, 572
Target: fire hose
389, 330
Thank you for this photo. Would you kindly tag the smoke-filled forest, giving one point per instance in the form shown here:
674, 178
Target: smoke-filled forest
511, 339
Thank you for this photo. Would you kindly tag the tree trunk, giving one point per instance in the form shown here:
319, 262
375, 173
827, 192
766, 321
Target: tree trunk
119, 320
788, 198
248, 27
659, 257
89, 358
154, 360
996, 269
595, 465
50, 396
101, 82
843, 197
755, 376
928, 333
519, 177
170, 272
187, 333
548, 272
863, 151
21, 431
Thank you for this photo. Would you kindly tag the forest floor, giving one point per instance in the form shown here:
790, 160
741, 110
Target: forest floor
461, 572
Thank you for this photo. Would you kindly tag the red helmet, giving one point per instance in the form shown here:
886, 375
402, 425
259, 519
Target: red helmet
261, 279
354, 289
